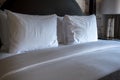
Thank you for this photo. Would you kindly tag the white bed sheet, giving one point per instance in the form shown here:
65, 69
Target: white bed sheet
4, 55
89, 61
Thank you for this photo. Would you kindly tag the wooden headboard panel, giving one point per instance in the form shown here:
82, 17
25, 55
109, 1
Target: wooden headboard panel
43, 7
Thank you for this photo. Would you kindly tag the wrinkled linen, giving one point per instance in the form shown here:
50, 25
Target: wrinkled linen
87, 61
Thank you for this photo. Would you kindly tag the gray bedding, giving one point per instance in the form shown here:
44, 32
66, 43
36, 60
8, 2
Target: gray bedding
113, 76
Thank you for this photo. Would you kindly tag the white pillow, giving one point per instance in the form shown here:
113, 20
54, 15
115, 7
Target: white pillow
29, 32
80, 29
60, 30
3, 30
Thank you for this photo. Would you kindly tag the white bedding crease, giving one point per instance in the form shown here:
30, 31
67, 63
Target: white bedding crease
87, 61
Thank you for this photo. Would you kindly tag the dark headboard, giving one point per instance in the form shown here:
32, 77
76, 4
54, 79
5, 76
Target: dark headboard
92, 7
43, 7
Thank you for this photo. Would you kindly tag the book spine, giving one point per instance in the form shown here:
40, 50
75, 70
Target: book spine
108, 27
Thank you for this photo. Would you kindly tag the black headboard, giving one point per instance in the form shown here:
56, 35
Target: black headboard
43, 7
92, 7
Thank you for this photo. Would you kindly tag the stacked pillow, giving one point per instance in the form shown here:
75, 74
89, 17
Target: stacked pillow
77, 29
60, 30
23, 32
80, 29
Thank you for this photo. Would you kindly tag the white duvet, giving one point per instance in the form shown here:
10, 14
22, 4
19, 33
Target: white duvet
87, 61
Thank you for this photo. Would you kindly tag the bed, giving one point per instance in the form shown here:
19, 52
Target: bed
86, 58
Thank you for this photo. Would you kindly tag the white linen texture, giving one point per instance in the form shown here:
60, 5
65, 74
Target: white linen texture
30, 32
80, 29
60, 29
